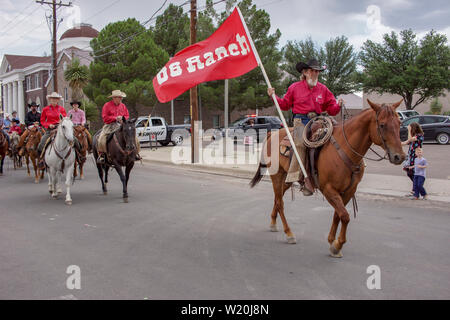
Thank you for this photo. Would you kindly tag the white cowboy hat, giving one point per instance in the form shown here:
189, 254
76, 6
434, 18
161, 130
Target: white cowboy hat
54, 95
117, 93
7, 115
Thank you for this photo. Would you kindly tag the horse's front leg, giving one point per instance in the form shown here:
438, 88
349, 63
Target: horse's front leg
58, 181
27, 161
338, 203
69, 179
74, 169
81, 171
128, 170
124, 181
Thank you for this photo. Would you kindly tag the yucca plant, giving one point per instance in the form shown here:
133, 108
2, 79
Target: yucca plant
78, 76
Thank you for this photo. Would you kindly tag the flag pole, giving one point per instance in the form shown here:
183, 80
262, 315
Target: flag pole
274, 98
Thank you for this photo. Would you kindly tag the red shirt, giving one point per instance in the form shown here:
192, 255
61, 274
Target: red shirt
110, 112
302, 99
50, 115
15, 128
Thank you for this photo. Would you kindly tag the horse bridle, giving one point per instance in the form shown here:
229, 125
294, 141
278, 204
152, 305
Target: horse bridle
380, 133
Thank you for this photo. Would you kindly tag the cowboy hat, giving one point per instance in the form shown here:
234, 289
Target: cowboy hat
75, 102
33, 104
117, 93
7, 115
54, 95
311, 64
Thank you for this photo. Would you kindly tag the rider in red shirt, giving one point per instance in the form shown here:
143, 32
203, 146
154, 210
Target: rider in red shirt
112, 114
307, 98
49, 120
15, 127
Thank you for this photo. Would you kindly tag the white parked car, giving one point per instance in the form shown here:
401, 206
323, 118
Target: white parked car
158, 130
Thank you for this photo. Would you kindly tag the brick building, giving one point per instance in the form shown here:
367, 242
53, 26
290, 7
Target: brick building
29, 78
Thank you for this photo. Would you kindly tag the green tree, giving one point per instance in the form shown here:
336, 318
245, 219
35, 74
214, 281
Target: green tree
90, 109
407, 68
248, 90
340, 75
436, 106
171, 30
78, 76
294, 52
125, 58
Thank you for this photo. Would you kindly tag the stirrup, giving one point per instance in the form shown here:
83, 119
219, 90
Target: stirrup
41, 164
101, 159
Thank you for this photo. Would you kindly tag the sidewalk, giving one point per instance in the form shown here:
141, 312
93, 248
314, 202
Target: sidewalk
243, 164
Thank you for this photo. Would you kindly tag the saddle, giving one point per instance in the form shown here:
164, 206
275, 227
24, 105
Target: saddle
316, 133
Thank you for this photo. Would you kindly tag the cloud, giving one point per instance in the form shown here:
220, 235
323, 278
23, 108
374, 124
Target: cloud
375, 29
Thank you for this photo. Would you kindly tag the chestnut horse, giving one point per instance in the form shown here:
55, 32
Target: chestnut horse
3, 150
31, 139
338, 179
82, 138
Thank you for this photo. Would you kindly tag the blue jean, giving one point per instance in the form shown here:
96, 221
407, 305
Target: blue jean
418, 186
305, 119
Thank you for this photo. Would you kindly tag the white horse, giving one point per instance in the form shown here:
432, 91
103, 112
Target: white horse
60, 157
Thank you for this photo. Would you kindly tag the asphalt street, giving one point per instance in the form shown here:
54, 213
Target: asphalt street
190, 235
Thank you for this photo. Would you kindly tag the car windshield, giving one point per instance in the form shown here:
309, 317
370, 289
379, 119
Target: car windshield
235, 123
411, 113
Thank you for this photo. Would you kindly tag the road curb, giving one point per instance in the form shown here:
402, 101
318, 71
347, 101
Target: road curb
246, 174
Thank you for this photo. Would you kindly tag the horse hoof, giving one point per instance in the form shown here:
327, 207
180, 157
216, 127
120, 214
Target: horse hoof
54, 196
291, 240
59, 191
105, 192
125, 200
69, 202
335, 252
338, 255
273, 228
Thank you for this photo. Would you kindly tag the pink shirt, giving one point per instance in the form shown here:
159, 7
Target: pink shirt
302, 99
78, 117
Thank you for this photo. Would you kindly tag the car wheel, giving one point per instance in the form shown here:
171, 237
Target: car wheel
177, 140
442, 138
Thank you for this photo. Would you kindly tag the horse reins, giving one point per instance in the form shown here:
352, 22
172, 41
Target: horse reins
378, 131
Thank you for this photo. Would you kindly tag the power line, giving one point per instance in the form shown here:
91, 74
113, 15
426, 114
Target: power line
13, 19
122, 42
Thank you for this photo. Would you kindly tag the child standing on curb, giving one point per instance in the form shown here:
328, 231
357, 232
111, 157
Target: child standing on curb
420, 164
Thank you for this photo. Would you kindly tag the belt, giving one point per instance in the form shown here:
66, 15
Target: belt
309, 115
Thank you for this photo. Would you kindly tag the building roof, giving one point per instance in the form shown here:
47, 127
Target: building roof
352, 101
20, 62
83, 30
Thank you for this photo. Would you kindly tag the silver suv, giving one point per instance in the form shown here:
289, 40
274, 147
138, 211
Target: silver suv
403, 114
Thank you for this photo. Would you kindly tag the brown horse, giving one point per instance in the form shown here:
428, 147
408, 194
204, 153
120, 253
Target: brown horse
3, 150
31, 139
82, 138
339, 171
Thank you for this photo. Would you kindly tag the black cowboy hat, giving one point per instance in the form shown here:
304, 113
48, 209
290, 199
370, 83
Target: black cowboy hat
33, 104
311, 64
77, 102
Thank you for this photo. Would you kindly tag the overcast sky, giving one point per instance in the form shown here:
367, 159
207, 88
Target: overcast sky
23, 28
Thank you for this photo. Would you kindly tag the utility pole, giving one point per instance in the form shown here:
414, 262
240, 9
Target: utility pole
53, 5
193, 91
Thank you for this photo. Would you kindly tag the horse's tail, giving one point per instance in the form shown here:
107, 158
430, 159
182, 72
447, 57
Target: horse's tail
258, 175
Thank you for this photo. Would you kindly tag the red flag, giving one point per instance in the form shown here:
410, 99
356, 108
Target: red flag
226, 54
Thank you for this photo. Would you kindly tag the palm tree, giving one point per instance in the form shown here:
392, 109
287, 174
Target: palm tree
78, 76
